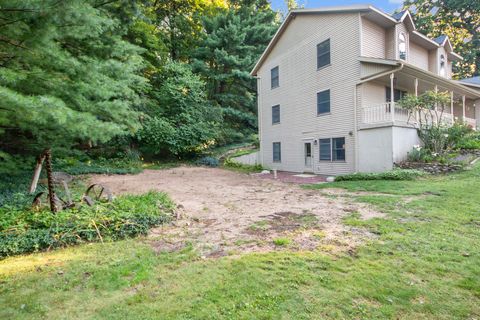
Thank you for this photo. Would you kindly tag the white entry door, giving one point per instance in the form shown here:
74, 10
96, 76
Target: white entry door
308, 156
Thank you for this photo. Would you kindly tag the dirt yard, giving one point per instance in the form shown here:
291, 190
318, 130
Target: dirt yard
223, 213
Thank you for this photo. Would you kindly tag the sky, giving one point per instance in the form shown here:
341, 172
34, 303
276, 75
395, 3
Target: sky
388, 6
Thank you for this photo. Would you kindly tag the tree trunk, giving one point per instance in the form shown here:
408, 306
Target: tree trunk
36, 174
51, 192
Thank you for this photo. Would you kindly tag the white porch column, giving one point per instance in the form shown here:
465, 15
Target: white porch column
451, 107
463, 108
392, 97
416, 87
436, 91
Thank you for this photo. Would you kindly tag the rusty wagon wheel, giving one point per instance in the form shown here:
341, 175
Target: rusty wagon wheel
41, 200
97, 192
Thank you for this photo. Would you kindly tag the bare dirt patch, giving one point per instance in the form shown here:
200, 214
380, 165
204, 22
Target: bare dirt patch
223, 212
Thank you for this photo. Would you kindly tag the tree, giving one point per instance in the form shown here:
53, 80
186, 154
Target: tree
235, 39
460, 21
66, 74
180, 120
426, 111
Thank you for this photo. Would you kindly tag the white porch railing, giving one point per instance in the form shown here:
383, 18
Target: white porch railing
382, 113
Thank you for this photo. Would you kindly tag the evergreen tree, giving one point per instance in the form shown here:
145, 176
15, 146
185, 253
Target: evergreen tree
66, 75
235, 39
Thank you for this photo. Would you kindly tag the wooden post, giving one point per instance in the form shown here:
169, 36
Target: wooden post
51, 192
463, 108
451, 107
416, 87
392, 97
36, 174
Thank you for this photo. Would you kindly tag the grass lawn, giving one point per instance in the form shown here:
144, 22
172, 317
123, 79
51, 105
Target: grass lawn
425, 264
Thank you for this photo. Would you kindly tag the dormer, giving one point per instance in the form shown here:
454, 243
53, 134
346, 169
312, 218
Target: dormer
395, 37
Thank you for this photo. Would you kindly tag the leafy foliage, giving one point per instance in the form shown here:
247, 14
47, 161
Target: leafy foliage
427, 112
230, 163
396, 174
181, 120
23, 230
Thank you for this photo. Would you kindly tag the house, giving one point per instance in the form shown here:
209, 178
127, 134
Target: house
328, 82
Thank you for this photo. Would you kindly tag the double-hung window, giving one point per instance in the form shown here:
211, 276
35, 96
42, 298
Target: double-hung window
332, 149
397, 94
323, 54
275, 77
323, 102
276, 114
277, 152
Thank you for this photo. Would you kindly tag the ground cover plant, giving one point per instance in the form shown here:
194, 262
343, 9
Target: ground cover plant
396, 174
425, 255
24, 230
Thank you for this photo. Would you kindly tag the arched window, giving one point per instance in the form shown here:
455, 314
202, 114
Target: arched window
443, 70
402, 46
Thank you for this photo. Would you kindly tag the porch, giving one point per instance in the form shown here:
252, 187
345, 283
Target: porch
379, 94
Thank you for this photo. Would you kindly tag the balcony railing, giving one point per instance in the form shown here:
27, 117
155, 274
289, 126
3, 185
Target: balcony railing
382, 114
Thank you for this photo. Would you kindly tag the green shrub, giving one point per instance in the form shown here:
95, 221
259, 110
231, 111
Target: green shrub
207, 161
419, 154
396, 174
99, 166
232, 164
281, 242
24, 230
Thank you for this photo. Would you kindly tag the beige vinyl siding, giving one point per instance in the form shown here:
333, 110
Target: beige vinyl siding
390, 44
418, 56
295, 53
373, 40
369, 69
432, 61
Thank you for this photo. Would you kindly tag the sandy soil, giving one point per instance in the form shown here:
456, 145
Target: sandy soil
222, 212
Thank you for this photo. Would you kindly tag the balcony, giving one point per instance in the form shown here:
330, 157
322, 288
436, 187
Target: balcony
382, 115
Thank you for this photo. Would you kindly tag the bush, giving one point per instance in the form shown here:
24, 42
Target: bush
237, 166
419, 154
207, 161
23, 230
396, 174
99, 166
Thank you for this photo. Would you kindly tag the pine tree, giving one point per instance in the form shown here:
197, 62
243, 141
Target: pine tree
66, 74
235, 38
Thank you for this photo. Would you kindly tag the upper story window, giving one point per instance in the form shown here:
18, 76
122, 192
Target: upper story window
323, 102
443, 70
275, 80
276, 114
323, 54
402, 46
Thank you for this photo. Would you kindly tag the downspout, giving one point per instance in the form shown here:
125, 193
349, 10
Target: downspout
355, 125
259, 111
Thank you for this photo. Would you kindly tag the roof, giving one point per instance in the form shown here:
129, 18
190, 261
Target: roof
399, 15
422, 74
472, 80
370, 11
440, 40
